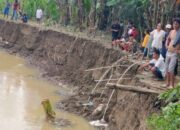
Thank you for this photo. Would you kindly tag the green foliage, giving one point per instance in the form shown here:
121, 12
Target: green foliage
3, 4
169, 118
171, 95
87, 5
50, 8
112, 2
143, 13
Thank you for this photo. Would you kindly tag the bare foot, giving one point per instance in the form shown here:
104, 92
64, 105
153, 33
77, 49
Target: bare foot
165, 85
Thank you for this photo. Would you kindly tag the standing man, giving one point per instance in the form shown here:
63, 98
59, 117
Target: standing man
167, 31
16, 6
6, 10
39, 15
172, 51
115, 29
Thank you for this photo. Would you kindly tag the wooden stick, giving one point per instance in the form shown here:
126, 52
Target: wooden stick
106, 67
107, 83
132, 88
110, 80
105, 73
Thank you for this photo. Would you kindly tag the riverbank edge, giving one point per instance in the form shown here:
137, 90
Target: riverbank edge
60, 56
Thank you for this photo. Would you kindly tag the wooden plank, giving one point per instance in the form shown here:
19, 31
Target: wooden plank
132, 88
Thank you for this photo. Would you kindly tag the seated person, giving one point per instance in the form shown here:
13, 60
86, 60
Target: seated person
128, 46
156, 65
24, 18
120, 42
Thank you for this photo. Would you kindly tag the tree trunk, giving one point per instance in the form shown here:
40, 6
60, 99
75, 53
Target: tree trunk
80, 14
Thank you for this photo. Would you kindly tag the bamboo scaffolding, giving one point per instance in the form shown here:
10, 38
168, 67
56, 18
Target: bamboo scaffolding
105, 67
105, 73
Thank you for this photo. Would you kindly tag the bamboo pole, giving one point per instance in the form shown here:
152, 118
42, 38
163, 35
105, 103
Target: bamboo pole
107, 83
106, 67
127, 71
132, 88
104, 80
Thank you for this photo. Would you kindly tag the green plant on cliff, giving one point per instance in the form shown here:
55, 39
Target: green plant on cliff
169, 118
171, 95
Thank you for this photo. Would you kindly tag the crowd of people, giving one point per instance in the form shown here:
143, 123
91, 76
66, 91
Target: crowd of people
160, 46
125, 39
18, 14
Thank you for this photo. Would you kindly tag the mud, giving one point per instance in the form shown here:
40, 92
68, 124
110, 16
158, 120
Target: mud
64, 58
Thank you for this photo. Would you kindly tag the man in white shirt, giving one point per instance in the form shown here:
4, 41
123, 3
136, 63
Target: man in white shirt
39, 15
156, 65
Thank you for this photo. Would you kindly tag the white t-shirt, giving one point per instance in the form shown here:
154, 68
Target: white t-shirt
130, 31
39, 13
158, 37
153, 61
160, 64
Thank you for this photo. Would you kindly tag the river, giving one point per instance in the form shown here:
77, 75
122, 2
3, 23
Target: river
21, 93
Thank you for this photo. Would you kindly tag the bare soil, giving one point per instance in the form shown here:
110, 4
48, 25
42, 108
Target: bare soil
64, 58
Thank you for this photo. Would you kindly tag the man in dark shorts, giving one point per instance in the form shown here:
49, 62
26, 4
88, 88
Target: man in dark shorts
115, 28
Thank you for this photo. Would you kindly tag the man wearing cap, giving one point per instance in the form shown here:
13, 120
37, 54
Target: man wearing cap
164, 50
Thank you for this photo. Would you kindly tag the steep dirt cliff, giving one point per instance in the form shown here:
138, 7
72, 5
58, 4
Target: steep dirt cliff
65, 58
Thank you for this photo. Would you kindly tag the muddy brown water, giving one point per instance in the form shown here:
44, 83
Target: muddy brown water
21, 93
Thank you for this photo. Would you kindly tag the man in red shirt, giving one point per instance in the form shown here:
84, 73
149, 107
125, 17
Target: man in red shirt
15, 10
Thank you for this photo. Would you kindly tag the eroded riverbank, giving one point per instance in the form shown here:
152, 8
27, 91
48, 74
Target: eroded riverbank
64, 58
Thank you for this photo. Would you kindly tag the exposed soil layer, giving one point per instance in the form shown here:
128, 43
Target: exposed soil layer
65, 58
